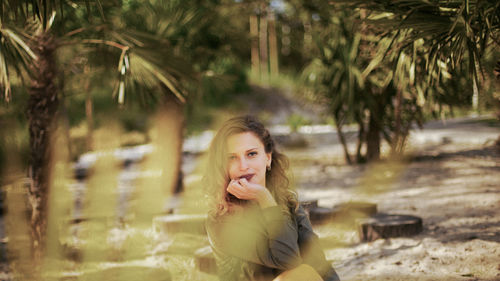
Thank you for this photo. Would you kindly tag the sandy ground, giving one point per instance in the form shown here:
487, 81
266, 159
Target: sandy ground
452, 182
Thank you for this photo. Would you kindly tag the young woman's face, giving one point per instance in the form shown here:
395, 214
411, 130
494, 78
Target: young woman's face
247, 158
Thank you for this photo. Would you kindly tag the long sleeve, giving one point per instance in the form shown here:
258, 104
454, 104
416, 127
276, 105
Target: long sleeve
311, 250
267, 237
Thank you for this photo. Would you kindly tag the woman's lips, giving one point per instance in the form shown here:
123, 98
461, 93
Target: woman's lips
247, 177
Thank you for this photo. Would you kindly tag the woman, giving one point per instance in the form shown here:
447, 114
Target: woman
256, 227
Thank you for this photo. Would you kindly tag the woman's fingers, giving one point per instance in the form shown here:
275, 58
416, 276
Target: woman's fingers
245, 190
241, 189
235, 188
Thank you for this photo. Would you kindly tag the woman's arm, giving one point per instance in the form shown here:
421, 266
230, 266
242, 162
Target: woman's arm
264, 236
310, 248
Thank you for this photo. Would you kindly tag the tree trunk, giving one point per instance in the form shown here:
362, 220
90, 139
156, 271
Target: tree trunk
273, 46
42, 109
475, 95
172, 122
264, 69
361, 139
373, 139
254, 37
338, 124
89, 108
397, 140
496, 72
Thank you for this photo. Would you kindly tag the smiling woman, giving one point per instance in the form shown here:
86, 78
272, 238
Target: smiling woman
256, 227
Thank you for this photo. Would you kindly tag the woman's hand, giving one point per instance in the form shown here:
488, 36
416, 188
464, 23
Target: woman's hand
245, 190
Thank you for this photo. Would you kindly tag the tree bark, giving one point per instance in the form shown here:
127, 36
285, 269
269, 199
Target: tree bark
172, 116
496, 72
475, 95
397, 139
273, 46
264, 65
338, 124
254, 37
42, 109
89, 109
361, 139
373, 139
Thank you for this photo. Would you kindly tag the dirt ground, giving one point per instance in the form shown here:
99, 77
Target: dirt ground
451, 181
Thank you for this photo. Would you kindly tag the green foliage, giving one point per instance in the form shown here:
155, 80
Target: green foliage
456, 33
386, 63
295, 121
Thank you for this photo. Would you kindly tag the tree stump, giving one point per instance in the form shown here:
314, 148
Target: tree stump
308, 204
386, 226
319, 215
205, 260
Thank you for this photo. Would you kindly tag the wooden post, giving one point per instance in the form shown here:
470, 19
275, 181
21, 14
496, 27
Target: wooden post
254, 37
273, 46
88, 110
264, 70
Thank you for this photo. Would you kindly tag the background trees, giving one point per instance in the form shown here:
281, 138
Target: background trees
41, 31
381, 65
395, 59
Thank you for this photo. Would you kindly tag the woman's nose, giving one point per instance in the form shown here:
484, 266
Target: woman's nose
243, 164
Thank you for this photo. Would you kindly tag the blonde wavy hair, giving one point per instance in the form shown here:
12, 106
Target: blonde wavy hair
216, 177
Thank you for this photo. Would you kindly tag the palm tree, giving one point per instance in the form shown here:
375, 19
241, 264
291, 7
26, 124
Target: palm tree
419, 43
456, 32
336, 72
31, 33
352, 72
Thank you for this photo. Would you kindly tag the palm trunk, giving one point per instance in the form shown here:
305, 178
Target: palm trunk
475, 95
496, 72
373, 139
42, 109
338, 124
273, 46
264, 64
173, 124
254, 37
397, 140
361, 139
88, 111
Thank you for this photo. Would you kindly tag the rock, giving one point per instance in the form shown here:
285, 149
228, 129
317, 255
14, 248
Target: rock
386, 226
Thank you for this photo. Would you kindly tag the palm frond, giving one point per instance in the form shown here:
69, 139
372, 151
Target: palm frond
150, 74
14, 53
452, 29
41, 9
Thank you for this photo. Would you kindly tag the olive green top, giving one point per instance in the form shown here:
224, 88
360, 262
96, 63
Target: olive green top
258, 244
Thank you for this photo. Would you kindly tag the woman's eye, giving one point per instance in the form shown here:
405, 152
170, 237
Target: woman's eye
253, 153
232, 157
